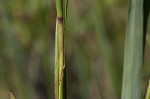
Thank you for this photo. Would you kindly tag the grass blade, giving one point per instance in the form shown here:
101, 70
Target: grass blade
148, 91
133, 56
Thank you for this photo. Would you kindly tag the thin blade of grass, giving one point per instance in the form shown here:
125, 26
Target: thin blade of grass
133, 56
148, 91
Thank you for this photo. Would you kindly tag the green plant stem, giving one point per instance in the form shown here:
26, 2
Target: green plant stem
133, 57
59, 8
59, 51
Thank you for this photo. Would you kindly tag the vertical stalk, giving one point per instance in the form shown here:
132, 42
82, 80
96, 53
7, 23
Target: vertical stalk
59, 51
133, 58
148, 91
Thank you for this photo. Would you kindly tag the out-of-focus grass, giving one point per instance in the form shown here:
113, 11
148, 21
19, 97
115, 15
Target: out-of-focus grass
24, 41
94, 48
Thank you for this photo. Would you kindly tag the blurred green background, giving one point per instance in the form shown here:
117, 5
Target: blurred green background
94, 47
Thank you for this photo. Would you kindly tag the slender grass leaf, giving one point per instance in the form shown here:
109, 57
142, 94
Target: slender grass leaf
133, 56
148, 91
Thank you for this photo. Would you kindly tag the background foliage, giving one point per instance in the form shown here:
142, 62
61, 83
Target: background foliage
94, 44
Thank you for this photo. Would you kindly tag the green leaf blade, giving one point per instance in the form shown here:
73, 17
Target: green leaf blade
133, 56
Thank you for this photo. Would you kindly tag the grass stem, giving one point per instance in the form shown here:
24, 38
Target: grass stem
59, 51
